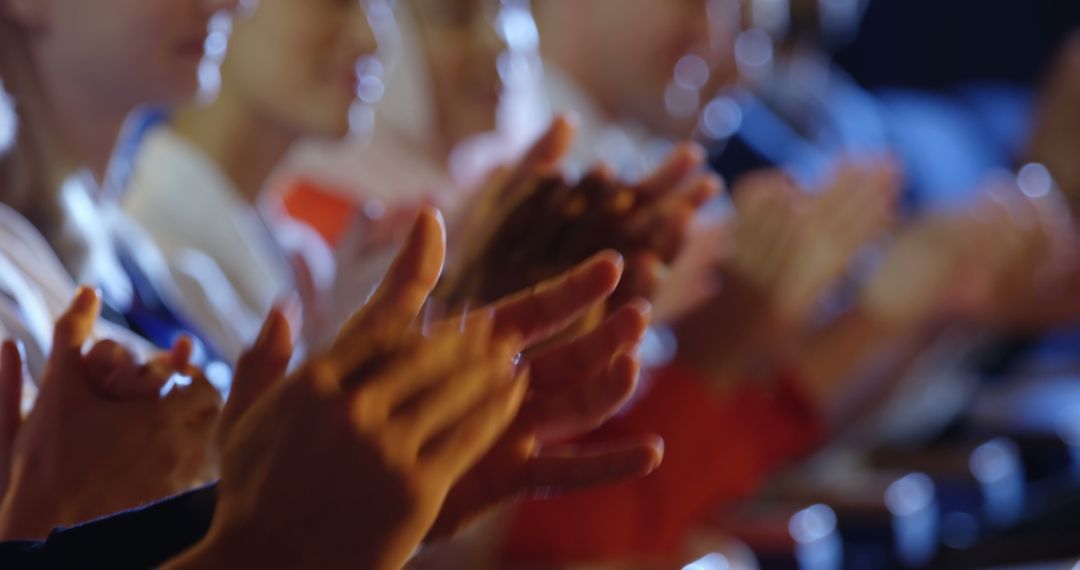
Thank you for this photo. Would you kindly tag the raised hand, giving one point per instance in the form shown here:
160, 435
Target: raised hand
381, 393
918, 278
531, 224
1021, 261
575, 386
856, 207
106, 433
354, 477
760, 251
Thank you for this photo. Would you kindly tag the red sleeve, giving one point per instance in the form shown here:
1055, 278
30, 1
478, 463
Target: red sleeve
326, 211
719, 448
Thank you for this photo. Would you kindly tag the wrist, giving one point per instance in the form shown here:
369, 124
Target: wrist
24, 516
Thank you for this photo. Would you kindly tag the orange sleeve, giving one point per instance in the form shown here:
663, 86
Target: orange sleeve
326, 211
718, 449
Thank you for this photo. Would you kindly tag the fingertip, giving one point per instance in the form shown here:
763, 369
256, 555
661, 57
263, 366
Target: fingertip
602, 171
608, 263
694, 152
10, 355
643, 308
657, 444
85, 298
291, 307
633, 318
556, 142
75, 325
429, 220
565, 121
9, 348
182, 350
275, 319
708, 187
183, 342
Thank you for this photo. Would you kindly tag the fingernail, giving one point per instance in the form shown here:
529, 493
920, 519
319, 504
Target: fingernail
614, 257
659, 445
629, 349
570, 118
269, 328
642, 306
696, 152
291, 307
84, 298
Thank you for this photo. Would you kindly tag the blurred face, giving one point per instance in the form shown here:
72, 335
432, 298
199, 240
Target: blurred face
635, 46
295, 62
461, 48
126, 52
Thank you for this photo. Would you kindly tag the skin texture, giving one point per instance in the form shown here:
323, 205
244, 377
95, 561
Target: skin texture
392, 451
505, 249
293, 64
461, 49
787, 249
93, 71
70, 459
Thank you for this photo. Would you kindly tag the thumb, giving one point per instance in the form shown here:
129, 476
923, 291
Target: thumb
259, 369
72, 330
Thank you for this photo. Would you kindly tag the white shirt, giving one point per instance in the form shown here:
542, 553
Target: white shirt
228, 264
626, 147
35, 289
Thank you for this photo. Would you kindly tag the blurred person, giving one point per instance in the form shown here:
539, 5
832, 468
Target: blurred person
53, 175
614, 333
614, 65
779, 384
289, 73
267, 103
442, 92
68, 118
777, 388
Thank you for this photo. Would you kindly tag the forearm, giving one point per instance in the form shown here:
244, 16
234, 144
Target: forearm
730, 332
28, 515
856, 361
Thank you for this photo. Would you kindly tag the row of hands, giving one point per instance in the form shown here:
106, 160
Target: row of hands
387, 439
410, 436
395, 435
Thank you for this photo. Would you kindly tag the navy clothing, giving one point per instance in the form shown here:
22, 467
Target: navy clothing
142, 538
